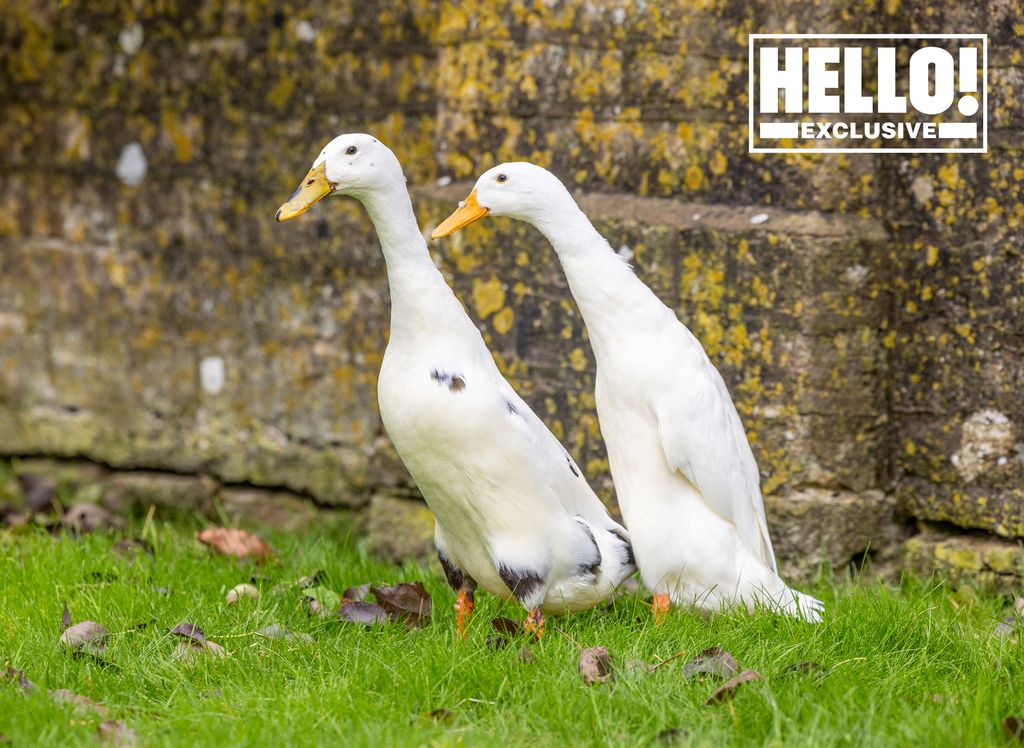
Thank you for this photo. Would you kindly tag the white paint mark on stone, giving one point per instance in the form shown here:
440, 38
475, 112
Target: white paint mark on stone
305, 31
211, 374
759, 219
131, 38
922, 188
855, 274
985, 434
132, 165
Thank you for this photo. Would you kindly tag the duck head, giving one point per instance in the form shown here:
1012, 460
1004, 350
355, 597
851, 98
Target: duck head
517, 189
354, 164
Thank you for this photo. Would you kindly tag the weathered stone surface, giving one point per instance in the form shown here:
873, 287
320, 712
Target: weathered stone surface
995, 563
179, 492
277, 510
154, 316
399, 529
812, 526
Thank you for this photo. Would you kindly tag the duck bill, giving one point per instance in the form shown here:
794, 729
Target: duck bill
469, 210
313, 188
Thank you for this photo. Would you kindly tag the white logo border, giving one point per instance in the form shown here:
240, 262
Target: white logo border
750, 93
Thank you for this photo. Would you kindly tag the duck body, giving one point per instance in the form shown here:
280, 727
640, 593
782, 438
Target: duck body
513, 513
685, 476
493, 479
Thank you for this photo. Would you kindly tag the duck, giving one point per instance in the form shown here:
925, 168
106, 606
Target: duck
513, 513
685, 476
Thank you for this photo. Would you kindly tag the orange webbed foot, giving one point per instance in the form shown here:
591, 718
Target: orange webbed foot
659, 607
534, 623
463, 612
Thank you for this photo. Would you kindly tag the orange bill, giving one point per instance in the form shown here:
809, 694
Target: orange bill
313, 188
469, 210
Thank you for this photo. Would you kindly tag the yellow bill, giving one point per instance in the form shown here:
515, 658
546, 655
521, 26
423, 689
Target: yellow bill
469, 210
312, 190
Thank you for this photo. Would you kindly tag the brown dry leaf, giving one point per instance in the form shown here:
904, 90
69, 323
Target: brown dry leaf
506, 626
357, 593
362, 612
810, 668
408, 601
191, 652
595, 664
729, 688
79, 702
87, 517
1013, 728
87, 637
494, 643
189, 631
117, 732
241, 592
712, 661
19, 677
231, 541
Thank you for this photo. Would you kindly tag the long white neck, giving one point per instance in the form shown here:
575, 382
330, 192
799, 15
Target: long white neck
610, 297
421, 300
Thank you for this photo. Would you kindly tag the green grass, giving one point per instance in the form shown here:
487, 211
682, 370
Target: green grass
914, 665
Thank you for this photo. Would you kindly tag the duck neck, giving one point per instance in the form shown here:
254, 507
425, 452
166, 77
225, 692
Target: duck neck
602, 283
419, 293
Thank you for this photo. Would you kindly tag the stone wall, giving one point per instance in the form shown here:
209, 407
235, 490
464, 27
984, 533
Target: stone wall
158, 318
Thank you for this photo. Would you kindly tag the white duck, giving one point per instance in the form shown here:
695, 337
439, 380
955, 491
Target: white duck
513, 512
684, 473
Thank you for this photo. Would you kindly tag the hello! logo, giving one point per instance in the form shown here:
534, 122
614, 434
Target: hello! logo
872, 93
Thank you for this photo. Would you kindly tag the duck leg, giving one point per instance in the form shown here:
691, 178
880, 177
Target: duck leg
464, 586
528, 588
659, 607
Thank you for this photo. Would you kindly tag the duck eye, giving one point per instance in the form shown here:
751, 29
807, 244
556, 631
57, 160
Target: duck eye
502, 178
350, 150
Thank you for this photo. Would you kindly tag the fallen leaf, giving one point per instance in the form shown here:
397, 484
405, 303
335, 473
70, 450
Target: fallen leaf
526, 656
231, 541
116, 732
1013, 728
494, 643
279, 632
408, 601
809, 667
19, 677
87, 637
712, 661
189, 631
327, 600
191, 652
357, 592
65, 619
595, 664
38, 491
310, 579
130, 548
87, 517
242, 591
726, 691
79, 702
506, 626
363, 612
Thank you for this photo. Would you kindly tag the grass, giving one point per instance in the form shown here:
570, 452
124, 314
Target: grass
918, 664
